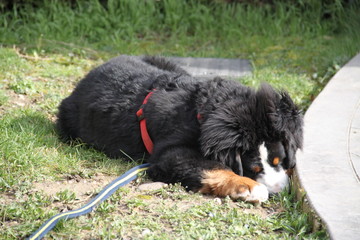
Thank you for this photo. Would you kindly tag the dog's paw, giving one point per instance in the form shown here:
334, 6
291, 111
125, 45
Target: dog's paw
224, 183
259, 193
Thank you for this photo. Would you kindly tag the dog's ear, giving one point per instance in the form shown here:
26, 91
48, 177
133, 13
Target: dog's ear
291, 127
267, 103
291, 118
284, 120
278, 108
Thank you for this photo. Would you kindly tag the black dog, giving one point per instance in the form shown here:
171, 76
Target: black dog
207, 135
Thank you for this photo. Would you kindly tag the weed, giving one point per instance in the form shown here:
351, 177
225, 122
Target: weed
135, 203
3, 97
22, 86
65, 196
106, 207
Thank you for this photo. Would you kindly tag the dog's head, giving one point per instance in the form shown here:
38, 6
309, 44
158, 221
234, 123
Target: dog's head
284, 125
283, 137
234, 132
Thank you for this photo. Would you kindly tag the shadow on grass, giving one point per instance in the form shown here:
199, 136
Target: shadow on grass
30, 149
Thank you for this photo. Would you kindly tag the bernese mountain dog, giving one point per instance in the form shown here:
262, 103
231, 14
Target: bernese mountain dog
216, 137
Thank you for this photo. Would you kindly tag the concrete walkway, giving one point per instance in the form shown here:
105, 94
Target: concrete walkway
329, 166
208, 68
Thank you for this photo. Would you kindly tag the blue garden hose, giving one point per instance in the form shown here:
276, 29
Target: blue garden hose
104, 194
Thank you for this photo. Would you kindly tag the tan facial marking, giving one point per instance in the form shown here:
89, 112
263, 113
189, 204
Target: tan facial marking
256, 169
276, 161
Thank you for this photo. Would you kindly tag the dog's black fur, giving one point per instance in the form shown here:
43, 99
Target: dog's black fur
235, 120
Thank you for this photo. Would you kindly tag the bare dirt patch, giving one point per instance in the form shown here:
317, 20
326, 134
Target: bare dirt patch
80, 186
15, 100
6, 198
18, 100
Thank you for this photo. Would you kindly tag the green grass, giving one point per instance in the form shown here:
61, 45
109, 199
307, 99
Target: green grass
297, 37
296, 47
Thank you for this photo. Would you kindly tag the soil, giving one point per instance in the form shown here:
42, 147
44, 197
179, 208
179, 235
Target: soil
85, 189
80, 186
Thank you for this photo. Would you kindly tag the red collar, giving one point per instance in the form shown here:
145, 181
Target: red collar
149, 145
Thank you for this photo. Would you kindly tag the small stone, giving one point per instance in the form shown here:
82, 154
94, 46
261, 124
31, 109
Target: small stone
217, 201
145, 232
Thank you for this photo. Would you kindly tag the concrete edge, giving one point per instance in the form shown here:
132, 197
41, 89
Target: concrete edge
325, 156
316, 222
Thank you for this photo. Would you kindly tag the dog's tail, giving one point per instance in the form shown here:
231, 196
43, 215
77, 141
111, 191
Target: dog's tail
67, 122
